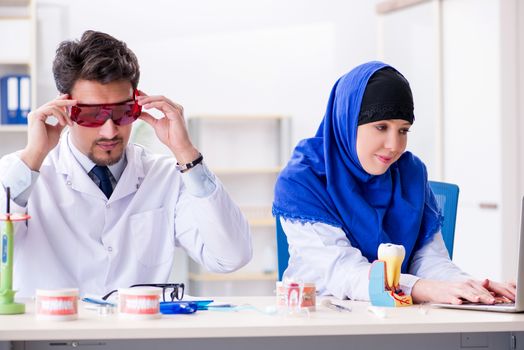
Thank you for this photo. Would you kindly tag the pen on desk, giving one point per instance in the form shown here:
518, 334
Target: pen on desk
337, 307
220, 306
97, 301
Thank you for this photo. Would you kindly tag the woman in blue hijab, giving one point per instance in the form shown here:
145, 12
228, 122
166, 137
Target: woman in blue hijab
353, 186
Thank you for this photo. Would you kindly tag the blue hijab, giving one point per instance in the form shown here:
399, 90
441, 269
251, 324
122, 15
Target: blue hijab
325, 182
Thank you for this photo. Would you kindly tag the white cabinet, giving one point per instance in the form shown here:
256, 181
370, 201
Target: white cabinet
247, 154
17, 56
473, 122
462, 56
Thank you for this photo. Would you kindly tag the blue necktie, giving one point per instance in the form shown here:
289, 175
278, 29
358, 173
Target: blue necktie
102, 172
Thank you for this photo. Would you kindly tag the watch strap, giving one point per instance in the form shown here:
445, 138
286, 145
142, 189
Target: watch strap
185, 167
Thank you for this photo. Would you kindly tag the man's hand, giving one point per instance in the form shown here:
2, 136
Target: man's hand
171, 129
452, 292
42, 137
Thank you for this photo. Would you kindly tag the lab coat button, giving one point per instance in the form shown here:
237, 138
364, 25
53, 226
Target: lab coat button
108, 206
110, 249
69, 183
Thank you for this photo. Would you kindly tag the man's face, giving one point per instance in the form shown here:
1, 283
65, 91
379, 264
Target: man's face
104, 145
380, 144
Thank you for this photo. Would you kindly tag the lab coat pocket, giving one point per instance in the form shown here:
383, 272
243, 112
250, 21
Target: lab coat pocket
152, 240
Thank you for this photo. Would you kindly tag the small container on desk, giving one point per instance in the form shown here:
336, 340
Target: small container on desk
295, 296
139, 302
57, 304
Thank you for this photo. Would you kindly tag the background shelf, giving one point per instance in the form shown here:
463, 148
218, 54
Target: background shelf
235, 276
228, 143
17, 57
15, 2
237, 117
13, 128
266, 222
246, 171
14, 62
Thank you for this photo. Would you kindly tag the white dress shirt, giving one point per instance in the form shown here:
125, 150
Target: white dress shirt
322, 254
76, 237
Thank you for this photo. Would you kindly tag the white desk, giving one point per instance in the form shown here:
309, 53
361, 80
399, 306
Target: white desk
406, 328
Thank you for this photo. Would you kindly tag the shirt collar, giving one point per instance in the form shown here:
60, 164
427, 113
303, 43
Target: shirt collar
116, 169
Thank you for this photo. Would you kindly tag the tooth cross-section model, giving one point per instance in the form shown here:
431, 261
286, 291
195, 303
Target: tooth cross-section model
393, 255
384, 277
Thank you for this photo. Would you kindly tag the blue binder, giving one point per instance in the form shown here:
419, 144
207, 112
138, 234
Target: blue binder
15, 99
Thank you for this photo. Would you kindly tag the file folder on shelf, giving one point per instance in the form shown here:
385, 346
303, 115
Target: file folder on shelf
15, 99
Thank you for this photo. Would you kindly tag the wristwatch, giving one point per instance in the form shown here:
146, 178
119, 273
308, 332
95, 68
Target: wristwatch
185, 167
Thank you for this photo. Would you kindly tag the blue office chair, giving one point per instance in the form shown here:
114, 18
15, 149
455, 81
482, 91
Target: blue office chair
282, 249
447, 199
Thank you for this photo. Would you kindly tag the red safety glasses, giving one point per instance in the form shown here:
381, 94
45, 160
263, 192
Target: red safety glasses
95, 115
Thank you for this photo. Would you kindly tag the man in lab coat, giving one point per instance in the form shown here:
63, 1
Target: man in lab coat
106, 213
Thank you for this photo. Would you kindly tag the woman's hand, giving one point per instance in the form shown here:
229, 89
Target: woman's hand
506, 290
456, 292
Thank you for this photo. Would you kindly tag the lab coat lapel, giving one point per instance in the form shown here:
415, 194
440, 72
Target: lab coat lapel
75, 175
132, 176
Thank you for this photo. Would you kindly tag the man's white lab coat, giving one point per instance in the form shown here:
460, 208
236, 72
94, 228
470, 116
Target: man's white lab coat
76, 237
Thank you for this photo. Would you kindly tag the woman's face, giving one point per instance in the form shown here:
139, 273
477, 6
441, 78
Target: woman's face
380, 144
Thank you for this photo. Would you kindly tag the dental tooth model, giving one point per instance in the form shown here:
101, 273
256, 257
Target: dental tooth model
393, 255
384, 277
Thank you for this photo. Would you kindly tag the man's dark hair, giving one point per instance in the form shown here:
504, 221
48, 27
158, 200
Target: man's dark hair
98, 57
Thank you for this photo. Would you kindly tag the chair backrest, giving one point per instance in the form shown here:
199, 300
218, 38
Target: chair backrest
282, 249
447, 199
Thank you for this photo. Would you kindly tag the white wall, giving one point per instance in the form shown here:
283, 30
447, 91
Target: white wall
473, 130
227, 56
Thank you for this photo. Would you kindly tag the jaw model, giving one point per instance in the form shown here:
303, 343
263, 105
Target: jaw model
393, 255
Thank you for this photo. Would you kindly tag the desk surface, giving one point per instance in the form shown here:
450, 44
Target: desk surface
251, 323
